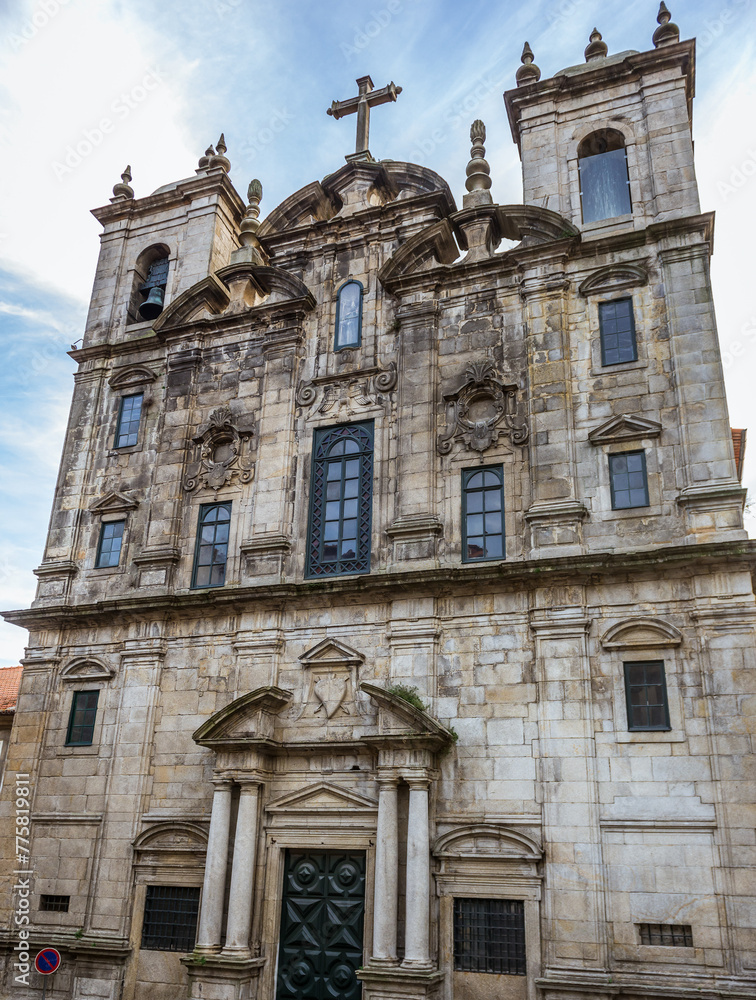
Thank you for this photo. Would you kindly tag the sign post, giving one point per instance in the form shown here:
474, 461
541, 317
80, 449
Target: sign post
47, 962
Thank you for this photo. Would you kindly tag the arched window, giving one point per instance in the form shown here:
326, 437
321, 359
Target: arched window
349, 316
604, 178
150, 280
341, 501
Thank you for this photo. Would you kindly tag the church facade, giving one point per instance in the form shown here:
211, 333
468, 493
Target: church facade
395, 630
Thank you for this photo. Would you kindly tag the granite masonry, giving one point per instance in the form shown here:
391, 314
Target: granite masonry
395, 629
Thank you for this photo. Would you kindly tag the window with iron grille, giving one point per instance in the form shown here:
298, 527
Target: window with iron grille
81, 722
483, 514
129, 416
667, 935
211, 553
646, 691
628, 479
341, 501
489, 936
617, 332
54, 904
348, 316
170, 918
109, 547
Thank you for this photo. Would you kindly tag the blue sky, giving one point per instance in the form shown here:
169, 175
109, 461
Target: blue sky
153, 84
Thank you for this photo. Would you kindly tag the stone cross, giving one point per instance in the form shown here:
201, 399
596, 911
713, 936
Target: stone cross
366, 99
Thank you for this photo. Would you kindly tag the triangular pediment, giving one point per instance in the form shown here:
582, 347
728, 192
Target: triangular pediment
246, 718
397, 714
331, 651
113, 503
323, 797
624, 428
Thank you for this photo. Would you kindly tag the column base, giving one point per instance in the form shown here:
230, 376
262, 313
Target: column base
400, 983
383, 963
417, 965
222, 977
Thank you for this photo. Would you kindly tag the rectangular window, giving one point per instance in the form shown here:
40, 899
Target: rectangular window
629, 483
81, 722
617, 331
341, 501
54, 904
489, 936
170, 918
483, 514
129, 415
109, 549
646, 690
211, 554
667, 935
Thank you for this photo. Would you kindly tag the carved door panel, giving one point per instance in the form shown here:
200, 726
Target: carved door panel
322, 915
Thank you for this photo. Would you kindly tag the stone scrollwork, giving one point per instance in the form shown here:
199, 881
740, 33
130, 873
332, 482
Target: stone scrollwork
223, 453
481, 410
348, 390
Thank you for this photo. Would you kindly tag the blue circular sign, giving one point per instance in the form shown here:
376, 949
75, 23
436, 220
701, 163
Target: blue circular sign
47, 961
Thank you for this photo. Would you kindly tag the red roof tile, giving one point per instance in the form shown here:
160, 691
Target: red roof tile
10, 682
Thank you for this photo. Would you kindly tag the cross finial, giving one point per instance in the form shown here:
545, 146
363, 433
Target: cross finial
366, 99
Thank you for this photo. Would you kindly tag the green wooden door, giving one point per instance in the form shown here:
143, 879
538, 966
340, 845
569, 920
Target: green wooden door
322, 915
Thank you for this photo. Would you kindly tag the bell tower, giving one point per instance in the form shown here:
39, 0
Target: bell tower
607, 143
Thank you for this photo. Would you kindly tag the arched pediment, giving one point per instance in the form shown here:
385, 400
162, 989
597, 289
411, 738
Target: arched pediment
172, 836
209, 296
131, 376
487, 840
615, 277
641, 633
529, 224
431, 246
86, 668
310, 204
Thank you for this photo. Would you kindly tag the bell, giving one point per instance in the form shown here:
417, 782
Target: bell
153, 304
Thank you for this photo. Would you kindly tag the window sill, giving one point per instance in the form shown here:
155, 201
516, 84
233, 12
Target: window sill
606, 225
625, 366
651, 736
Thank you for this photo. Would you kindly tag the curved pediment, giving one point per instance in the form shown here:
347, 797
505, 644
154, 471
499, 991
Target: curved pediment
487, 840
172, 835
432, 246
641, 633
308, 205
233, 290
615, 277
131, 376
529, 224
86, 668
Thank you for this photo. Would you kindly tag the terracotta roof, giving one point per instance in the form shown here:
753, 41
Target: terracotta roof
739, 444
10, 682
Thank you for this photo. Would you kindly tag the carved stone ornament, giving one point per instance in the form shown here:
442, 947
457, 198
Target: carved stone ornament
223, 446
349, 391
481, 410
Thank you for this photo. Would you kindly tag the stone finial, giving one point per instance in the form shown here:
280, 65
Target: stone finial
204, 160
478, 171
596, 48
667, 33
528, 72
123, 190
220, 159
251, 221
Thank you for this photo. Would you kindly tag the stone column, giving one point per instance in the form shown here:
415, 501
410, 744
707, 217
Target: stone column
211, 916
386, 873
243, 872
417, 933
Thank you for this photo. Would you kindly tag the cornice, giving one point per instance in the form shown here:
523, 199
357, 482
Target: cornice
534, 573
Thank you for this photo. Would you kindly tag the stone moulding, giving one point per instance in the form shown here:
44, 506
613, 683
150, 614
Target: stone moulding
352, 390
495, 841
615, 277
223, 445
641, 633
483, 409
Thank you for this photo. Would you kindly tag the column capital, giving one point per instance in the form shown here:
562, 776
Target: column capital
387, 776
420, 778
222, 781
249, 783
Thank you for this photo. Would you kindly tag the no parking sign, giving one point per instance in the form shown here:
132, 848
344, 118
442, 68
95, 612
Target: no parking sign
47, 962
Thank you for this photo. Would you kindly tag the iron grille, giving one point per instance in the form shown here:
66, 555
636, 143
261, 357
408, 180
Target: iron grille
54, 904
170, 918
489, 936
341, 501
669, 935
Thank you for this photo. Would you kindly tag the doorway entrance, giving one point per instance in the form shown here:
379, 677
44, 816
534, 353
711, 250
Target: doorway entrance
322, 916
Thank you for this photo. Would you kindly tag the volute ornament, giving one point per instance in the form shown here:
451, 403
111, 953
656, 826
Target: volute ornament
223, 447
481, 411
